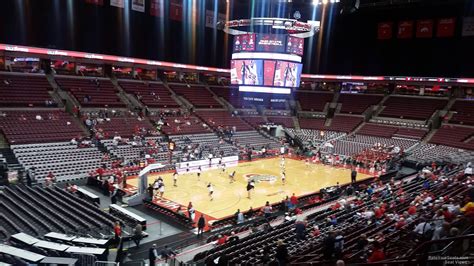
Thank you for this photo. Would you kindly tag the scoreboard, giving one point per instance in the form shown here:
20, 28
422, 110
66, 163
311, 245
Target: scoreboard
266, 62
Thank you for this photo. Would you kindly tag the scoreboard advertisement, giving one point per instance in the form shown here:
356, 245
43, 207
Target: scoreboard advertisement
266, 63
269, 43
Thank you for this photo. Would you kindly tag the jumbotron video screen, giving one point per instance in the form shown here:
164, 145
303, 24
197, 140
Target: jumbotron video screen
268, 63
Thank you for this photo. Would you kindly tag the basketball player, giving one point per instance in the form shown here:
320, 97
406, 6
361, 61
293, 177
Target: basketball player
175, 179
283, 178
199, 173
232, 177
250, 187
156, 186
223, 168
211, 191
162, 190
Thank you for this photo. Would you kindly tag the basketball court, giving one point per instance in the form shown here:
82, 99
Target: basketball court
301, 179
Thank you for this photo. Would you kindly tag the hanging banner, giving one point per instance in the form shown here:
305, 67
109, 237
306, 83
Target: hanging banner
384, 30
446, 27
118, 3
468, 26
405, 29
156, 8
138, 5
95, 2
210, 19
424, 28
176, 10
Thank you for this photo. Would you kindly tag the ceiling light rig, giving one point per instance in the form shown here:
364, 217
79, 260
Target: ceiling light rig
325, 2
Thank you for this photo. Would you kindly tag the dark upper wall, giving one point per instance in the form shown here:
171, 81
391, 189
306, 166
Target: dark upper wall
349, 43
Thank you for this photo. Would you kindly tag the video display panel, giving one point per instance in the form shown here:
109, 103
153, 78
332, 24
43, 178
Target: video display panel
244, 42
269, 73
287, 74
295, 45
270, 43
247, 72
274, 43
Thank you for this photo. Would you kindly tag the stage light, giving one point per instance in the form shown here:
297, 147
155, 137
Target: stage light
325, 2
315, 2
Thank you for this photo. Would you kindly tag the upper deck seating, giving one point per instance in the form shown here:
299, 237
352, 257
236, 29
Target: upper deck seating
24, 127
197, 95
24, 90
312, 123
232, 96
285, 121
222, 118
92, 92
123, 126
314, 101
344, 123
357, 103
389, 131
454, 136
179, 125
153, 95
417, 108
463, 112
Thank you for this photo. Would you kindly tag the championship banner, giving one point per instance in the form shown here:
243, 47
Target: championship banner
384, 31
138, 5
176, 10
446, 27
405, 29
95, 2
424, 28
156, 8
118, 3
468, 26
210, 19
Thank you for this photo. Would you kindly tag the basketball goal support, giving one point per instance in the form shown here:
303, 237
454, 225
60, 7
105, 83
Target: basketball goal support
138, 198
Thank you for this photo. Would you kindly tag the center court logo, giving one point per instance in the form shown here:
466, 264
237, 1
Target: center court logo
260, 177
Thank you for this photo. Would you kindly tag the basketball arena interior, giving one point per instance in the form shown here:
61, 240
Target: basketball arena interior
229, 132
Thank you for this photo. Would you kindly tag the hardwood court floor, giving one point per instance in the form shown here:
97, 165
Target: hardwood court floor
300, 179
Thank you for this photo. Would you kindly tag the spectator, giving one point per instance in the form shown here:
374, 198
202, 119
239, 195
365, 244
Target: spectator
362, 242
338, 245
50, 179
377, 253
201, 225
166, 253
233, 238
468, 171
240, 216
264, 255
423, 230
267, 210
316, 232
137, 234
152, 255
281, 253
294, 200
221, 240
191, 212
328, 245
300, 230
117, 230
150, 191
